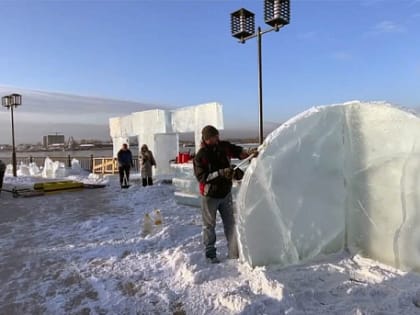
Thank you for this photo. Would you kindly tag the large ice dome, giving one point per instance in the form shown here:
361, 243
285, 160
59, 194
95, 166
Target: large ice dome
335, 177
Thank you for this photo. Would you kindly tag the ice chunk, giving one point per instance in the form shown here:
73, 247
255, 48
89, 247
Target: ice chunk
120, 126
34, 169
194, 118
48, 170
291, 203
335, 177
148, 126
9, 170
151, 121
23, 170
166, 149
383, 176
53, 169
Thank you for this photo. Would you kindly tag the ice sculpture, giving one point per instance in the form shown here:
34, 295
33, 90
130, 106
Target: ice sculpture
34, 169
159, 129
53, 169
120, 129
23, 170
334, 177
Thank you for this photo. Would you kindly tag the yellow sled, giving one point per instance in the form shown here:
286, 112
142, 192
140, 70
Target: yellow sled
58, 186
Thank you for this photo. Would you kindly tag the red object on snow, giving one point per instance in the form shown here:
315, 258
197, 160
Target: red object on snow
183, 157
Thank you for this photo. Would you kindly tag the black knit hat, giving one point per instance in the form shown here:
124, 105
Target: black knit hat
208, 132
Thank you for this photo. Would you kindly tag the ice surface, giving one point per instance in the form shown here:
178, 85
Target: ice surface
48, 170
291, 204
150, 121
120, 126
194, 118
54, 169
34, 169
343, 176
185, 184
207, 114
183, 120
188, 185
166, 149
23, 170
383, 203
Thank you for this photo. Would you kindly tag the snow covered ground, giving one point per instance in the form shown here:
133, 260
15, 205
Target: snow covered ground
82, 253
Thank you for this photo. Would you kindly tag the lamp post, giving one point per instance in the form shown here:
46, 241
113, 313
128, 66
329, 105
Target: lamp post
10, 101
276, 15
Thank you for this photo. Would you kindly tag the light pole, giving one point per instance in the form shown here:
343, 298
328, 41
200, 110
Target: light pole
10, 101
277, 15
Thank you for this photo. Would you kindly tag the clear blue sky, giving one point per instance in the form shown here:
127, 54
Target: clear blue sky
181, 53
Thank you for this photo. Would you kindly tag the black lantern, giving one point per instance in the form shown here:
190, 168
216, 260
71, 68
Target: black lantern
277, 13
5, 101
10, 101
242, 23
15, 99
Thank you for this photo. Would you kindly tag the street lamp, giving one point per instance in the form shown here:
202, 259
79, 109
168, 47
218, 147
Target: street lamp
276, 15
10, 101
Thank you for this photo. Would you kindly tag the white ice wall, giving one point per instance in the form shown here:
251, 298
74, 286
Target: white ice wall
166, 149
291, 203
335, 177
383, 204
146, 124
194, 118
121, 128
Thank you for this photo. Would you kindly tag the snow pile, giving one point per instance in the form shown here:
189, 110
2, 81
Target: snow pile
82, 252
23, 170
34, 170
51, 170
334, 177
9, 170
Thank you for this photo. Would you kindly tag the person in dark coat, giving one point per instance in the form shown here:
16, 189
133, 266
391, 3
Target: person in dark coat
125, 162
2, 171
147, 160
214, 173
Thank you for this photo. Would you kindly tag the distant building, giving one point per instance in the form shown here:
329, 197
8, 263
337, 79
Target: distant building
53, 140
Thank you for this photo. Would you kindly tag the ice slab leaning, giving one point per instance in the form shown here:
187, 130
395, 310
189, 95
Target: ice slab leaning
334, 177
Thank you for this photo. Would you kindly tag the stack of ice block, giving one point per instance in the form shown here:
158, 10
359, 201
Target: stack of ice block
186, 185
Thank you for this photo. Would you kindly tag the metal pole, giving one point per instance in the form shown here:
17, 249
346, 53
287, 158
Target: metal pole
13, 144
260, 94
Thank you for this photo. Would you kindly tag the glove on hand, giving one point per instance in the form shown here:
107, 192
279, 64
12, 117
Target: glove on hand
238, 174
226, 172
253, 151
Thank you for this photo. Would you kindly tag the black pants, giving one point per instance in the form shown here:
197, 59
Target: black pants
1, 179
124, 170
147, 181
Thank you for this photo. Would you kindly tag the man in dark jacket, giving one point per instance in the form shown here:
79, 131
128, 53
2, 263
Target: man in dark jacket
214, 173
125, 162
2, 171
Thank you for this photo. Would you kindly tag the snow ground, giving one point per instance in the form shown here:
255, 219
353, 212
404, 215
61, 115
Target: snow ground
82, 253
